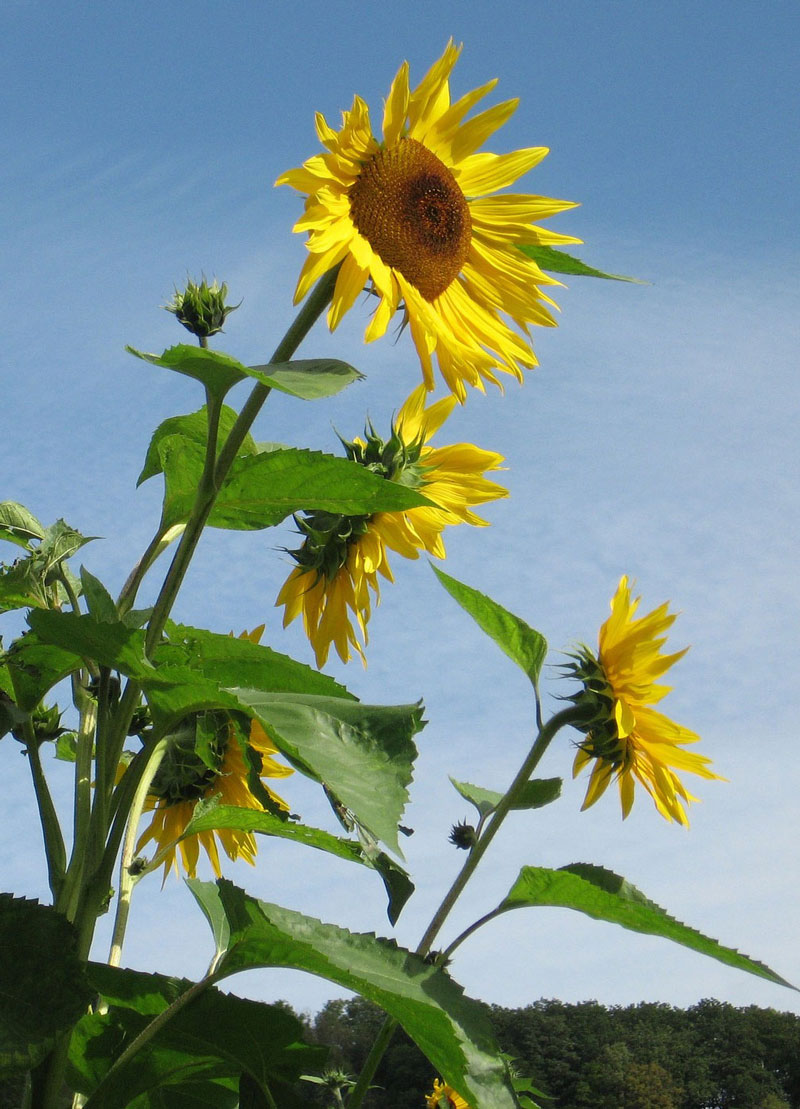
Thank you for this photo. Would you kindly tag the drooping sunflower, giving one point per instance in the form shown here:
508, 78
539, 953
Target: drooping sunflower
184, 778
417, 219
336, 577
445, 1097
625, 736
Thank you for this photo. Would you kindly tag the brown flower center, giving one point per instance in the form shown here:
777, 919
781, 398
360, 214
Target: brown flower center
407, 205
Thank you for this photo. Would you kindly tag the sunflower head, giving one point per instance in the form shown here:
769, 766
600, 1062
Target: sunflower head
444, 1096
418, 218
625, 736
338, 563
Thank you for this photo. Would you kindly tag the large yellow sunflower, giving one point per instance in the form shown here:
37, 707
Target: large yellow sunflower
413, 218
184, 778
445, 1097
627, 738
342, 556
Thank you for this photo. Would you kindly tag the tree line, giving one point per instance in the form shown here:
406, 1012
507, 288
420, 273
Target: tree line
590, 1056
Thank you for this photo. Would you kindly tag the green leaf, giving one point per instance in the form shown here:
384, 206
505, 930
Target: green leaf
449, 1028
22, 585
101, 603
60, 542
217, 371
231, 661
537, 793
557, 261
601, 894
216, 1035
307, 378
512, 635
110, 644
194, 428
35, 666
263, 489
18, 525
42, 981
67, 747
210, 815
363, 753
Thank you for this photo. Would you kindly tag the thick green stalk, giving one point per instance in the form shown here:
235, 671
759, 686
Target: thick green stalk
54, 848
543, 740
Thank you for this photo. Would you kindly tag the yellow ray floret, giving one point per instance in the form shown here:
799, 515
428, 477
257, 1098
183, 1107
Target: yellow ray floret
415, 218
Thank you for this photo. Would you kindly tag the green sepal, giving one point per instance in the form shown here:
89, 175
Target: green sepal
43, 984
601, 894
558, 261
209, 815
216, 1037
364, 754
535, 794
513, 636
451, 1029
18, 525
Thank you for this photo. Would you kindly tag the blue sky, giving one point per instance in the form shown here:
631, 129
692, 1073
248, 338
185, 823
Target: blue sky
658, 437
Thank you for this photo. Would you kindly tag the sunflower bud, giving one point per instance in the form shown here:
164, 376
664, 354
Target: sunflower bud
596, 701
201, 308
463, 836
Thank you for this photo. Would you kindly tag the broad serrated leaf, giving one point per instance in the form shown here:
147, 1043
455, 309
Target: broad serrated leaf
307, 378
601, 894
261, 490
110, 644
232, 661
537, 793
60, 542
217, 1036
217, 371
43, 986
513, 636
193, 427
451, 1029
36, 665
210, 815
18, 525
363, 753
557, 261
22, 585
99, 601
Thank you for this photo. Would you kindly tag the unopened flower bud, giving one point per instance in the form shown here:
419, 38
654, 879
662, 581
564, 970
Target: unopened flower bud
201, 308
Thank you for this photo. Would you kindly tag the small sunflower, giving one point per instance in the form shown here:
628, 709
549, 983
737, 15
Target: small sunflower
341, 557
445, 1097
626, 737
414, 218
184, 778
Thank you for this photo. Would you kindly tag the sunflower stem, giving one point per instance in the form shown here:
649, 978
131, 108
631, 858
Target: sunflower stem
127, 880
543, 740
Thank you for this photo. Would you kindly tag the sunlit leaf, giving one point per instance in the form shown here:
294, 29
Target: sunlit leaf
514, 637
601, 894
307, 378
536, 793
449, 1028
217, 371
18, 525
363, 753
193, 427
557, 261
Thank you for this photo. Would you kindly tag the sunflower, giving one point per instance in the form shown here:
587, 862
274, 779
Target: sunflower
445, 1097
414, 218
184, 778
341, 558
625, 736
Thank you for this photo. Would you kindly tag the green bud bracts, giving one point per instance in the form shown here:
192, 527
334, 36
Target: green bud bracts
201, 308
193, 758
598, 701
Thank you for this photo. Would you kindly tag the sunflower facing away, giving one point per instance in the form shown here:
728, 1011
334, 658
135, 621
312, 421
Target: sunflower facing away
341, 556
626, 737
416, 219
184, 778
445, 1097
